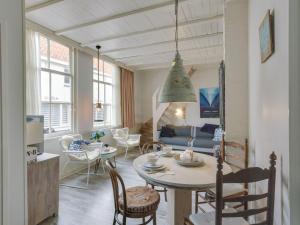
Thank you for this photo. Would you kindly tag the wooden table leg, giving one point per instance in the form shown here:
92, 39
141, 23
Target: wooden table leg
179, 205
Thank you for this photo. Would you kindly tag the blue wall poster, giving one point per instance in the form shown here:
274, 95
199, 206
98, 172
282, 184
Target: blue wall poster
209, 102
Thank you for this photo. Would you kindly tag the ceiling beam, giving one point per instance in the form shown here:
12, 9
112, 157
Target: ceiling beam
164, 42
42, 5
167, 52
116, 16
181, 24
194, 60
168, 64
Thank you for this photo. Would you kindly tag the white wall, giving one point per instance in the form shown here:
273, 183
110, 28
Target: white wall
294, 88
269, 99
147, 81
12, 94
236, 69
84, 92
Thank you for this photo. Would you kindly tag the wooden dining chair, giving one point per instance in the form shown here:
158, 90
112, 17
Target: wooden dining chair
236, 155
230, 216
148, 148
137, 202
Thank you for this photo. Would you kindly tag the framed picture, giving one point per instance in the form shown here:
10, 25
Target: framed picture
266, 37
209, 102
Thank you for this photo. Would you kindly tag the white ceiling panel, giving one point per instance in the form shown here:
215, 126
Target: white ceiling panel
139, 33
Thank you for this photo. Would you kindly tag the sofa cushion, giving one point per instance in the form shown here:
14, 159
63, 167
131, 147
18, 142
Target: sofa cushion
167, 132
185, 131
204, 143
202, 134
177, 140
209, 128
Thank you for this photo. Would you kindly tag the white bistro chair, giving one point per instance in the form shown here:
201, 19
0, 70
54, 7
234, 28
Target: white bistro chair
86, 156
126, 140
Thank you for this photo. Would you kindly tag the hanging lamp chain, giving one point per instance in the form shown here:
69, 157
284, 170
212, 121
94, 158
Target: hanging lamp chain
98, 75
176, 31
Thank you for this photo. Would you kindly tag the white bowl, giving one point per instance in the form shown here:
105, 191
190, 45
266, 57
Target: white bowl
152, 158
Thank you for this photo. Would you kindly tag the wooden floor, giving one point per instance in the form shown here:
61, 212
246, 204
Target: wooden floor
95, 206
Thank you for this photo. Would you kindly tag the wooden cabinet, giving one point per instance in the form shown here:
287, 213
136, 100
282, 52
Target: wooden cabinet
43, 188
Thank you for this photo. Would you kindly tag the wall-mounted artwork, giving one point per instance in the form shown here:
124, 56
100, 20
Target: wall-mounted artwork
266, 37
209, 102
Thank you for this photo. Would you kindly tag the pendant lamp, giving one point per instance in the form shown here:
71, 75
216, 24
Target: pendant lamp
98, 104
178, 86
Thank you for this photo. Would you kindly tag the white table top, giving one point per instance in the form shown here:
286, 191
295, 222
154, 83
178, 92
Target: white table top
184, 177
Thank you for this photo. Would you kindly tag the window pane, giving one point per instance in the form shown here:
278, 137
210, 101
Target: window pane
95, 69
43, 51
59, 57
107, 115
60, 88
45, 110
45, 84
95, 92
108, 69
61, 117
108, 94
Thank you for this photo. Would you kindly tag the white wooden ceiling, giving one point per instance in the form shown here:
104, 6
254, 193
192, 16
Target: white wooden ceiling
138, 33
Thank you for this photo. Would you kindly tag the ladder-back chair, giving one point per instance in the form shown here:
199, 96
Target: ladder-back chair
230, 216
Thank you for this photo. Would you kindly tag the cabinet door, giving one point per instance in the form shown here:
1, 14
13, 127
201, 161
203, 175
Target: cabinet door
53, 186
41, 185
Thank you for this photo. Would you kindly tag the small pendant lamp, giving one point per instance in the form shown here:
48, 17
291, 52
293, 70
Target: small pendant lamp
98, 104
178, 86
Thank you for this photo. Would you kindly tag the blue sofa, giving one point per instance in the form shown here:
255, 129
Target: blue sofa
190, 136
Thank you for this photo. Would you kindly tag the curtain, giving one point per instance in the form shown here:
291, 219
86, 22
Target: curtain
33, 104
127, 98
116, 101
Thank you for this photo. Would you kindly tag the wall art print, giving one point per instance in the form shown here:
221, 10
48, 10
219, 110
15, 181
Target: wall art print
209, 102
266, 37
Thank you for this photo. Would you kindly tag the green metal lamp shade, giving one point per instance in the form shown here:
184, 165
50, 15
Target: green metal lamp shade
178, 86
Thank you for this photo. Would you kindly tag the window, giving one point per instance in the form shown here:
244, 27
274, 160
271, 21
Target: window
104, 117
56, 86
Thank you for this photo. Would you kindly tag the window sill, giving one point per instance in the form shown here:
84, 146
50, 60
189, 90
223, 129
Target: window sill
56, 135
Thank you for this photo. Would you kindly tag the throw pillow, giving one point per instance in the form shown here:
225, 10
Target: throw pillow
209, 128
167, 132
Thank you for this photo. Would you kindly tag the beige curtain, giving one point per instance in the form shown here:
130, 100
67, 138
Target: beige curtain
127, 98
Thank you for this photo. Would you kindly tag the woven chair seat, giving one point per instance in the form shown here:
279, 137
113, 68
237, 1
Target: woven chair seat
140, 200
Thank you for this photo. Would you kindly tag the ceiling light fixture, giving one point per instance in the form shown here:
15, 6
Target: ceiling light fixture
178, 86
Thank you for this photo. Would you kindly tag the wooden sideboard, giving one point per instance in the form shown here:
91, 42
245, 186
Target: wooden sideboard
43, 188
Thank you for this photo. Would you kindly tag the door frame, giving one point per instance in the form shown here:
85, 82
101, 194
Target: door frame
294, 105
1, 146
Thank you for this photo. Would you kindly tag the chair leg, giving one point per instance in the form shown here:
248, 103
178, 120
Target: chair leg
196, 201
88, 174
103, 167
126, 151
144, 220
154, 218
165, 193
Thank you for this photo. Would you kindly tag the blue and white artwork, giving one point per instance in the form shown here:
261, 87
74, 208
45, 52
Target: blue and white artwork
266, 37
209, 102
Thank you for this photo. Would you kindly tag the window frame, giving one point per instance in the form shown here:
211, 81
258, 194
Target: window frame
103, 74
70, 75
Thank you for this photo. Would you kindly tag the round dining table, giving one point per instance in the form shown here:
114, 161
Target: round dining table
180, 182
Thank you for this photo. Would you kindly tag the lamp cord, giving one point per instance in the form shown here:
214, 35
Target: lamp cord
98, 76
176, 31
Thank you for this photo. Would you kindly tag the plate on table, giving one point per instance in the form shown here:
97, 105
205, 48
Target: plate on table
166, 154
189, 163
148, 165
154, 170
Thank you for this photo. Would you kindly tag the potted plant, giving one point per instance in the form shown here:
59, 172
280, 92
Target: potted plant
97, 135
